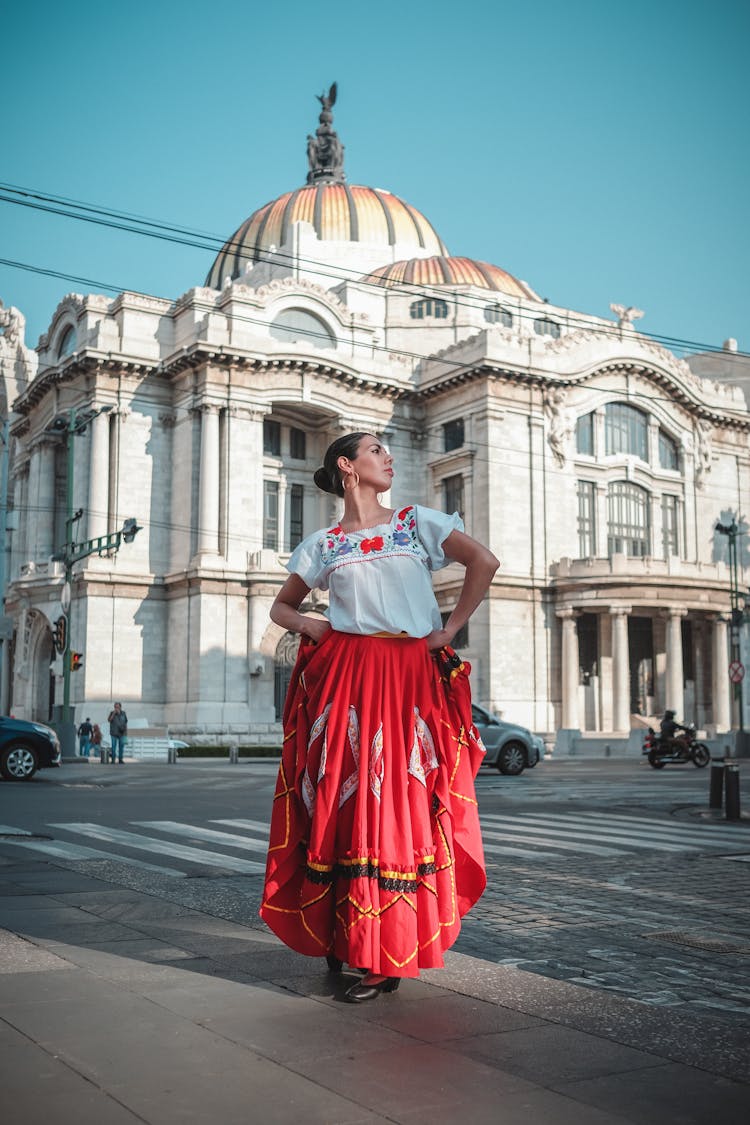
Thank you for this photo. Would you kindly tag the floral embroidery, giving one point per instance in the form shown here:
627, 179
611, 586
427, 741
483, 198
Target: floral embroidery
400, 538
377, 763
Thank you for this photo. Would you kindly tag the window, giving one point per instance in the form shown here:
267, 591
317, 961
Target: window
461, 639
668, 454
297, 444
585, 435
496, 314
296, 502
586, 519
547, 327
670, 526
294, 326
453, 495
626, 430
68, 342
271, 438
629, 523
271, 514
453, 434
428, 306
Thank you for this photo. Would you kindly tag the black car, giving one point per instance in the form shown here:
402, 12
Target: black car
26, 748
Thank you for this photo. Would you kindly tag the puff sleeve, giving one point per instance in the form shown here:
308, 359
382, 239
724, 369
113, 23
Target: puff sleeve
306, 560
433, 528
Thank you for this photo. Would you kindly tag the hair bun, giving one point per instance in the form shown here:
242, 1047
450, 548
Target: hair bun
323, 480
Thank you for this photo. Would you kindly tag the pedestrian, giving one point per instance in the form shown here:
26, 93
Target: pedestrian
96, 741
84, 737
118, 729
375, 850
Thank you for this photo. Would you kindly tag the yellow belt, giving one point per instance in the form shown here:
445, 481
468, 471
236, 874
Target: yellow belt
393, 636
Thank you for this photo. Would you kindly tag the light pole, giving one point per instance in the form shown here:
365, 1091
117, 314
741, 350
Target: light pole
738, 603
71, 424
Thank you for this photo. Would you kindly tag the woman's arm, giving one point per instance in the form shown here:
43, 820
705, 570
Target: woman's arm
284, 610
480, 565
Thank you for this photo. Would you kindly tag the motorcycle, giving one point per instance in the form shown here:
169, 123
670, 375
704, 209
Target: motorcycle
683, 748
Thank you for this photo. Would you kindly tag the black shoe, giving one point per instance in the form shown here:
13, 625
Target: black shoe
358, 993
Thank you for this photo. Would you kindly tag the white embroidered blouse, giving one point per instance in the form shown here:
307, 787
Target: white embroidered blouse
379, 578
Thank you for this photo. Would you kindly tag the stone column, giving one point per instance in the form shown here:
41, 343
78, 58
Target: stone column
570, 669
721, 686
674, 688
98, 504
42, 496
208, 518
620, 669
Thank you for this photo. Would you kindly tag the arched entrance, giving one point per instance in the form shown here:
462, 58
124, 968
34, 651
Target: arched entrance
284, 658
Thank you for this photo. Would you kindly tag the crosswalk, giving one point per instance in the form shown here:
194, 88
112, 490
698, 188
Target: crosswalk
176, 849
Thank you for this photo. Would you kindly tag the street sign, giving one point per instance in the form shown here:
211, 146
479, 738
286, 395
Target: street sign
736, 672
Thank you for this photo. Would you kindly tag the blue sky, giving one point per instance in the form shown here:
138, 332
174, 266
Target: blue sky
598, 151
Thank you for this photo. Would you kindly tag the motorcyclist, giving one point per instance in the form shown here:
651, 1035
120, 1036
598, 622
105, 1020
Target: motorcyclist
668, 733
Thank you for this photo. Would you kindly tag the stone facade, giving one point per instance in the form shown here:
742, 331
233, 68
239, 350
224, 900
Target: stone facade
592, 461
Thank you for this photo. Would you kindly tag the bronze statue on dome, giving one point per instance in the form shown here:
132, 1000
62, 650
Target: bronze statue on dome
325, 152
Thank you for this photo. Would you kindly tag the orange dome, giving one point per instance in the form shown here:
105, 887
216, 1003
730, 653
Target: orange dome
450, 271
338, 212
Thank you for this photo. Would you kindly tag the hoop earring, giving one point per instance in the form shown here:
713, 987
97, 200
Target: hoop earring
354, 483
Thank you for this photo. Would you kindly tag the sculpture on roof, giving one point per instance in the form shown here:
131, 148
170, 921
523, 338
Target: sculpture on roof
560, 423
325, 152
626, 315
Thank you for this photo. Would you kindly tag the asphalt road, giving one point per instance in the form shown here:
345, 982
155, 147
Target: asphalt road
604, 873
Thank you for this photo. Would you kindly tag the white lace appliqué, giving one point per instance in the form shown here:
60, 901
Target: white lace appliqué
423, 759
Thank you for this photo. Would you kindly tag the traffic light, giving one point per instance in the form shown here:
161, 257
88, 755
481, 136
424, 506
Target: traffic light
60, 633
76, 661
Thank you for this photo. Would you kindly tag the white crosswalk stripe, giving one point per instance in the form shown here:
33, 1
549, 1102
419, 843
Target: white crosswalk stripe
139, 842
515, 835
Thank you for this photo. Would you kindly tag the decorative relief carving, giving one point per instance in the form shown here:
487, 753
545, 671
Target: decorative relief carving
560, 422
626, 315
703, 449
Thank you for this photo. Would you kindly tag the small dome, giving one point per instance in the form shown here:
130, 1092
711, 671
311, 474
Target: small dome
450, 271
338, 212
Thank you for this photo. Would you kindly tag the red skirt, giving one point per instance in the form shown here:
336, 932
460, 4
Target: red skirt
375, 851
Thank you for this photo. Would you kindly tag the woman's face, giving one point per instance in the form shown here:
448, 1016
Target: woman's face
373, 463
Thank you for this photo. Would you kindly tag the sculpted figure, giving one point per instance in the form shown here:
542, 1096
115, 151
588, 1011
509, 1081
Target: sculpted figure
560, 423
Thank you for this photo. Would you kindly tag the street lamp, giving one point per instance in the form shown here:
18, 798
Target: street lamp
71, 424
739, 602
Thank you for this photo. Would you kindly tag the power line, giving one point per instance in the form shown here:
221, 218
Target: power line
154, 228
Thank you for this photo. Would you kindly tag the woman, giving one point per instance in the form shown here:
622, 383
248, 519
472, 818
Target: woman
375, 851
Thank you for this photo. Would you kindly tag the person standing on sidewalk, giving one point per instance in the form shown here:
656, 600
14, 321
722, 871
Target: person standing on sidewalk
118, 729
375, 850
84, 737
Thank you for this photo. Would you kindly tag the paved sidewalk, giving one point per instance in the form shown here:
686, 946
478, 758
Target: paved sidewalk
121, 1006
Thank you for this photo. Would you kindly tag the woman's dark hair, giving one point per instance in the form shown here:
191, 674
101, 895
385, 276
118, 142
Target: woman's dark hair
329, 477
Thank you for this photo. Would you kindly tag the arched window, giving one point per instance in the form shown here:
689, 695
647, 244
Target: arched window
628, 519
67, 343
428, 307
299, 326
547, 327
626, 430
496, 314
668, 453
585, 434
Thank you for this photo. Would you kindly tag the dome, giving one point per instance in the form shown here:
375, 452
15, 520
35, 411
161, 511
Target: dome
338, 212
450, 271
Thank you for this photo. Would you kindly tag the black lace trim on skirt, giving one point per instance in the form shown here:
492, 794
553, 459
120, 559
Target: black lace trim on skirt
389, 881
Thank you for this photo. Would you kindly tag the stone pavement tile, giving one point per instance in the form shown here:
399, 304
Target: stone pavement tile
550, 1054
39, 1088
30, 900
422, 1083
43, 919
56, 880
433, 1016
112, 964
20, 956
89, 932
717, 1046
667, 1094
284, 1026
165, 1068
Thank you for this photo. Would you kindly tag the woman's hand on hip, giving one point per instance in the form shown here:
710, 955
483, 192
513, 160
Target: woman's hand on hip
315, 628
438, 639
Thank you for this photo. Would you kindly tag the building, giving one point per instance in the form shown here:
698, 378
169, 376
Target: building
591, 460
